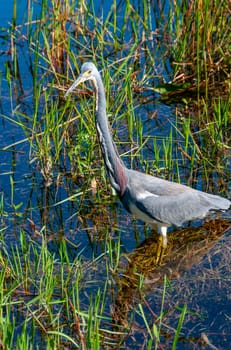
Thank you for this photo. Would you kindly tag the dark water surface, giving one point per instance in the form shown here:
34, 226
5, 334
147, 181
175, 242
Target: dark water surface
203, 286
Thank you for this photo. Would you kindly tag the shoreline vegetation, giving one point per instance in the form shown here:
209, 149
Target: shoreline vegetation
166, 71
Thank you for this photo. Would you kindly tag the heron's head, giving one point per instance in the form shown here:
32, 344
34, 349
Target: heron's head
88, 72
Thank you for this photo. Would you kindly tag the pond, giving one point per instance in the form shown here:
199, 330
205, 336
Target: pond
77, 270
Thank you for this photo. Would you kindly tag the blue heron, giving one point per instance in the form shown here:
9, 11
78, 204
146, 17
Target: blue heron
149, 198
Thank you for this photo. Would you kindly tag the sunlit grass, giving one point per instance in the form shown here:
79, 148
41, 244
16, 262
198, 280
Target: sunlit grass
47, 296
53, 297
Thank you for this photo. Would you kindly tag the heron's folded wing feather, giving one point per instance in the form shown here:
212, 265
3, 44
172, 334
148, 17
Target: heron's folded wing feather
177, 209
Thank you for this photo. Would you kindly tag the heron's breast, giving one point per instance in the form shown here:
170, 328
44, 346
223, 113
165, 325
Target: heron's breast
139, 214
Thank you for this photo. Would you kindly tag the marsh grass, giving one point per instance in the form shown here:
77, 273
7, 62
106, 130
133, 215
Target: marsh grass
48, 296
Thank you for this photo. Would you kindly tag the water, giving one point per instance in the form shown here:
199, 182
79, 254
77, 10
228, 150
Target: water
204, 287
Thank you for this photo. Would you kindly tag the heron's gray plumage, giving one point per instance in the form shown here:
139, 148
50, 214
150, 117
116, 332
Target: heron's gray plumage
168, 202
150, 198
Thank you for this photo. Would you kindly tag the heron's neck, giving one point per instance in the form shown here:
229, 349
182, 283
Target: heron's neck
113, 163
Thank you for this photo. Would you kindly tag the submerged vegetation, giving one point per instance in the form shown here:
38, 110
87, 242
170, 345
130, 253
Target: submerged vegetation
65, 272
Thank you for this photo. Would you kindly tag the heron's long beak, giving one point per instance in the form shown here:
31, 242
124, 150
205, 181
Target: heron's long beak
81, 79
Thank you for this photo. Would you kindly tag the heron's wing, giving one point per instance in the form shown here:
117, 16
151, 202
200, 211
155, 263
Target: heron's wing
174, 210
156, 186
169, 202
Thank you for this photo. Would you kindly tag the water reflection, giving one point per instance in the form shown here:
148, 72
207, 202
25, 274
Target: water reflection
141, 277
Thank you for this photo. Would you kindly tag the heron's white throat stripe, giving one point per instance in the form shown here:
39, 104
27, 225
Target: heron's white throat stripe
96, 90
104, 148
106, 158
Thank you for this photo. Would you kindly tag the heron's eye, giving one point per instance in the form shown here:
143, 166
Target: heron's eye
88, 72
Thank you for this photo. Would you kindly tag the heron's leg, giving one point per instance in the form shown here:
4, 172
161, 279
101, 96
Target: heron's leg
162, 244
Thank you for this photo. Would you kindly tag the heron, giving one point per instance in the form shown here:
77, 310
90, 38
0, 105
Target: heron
154, 200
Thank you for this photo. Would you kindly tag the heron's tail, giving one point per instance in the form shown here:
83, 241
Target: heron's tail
217, 202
